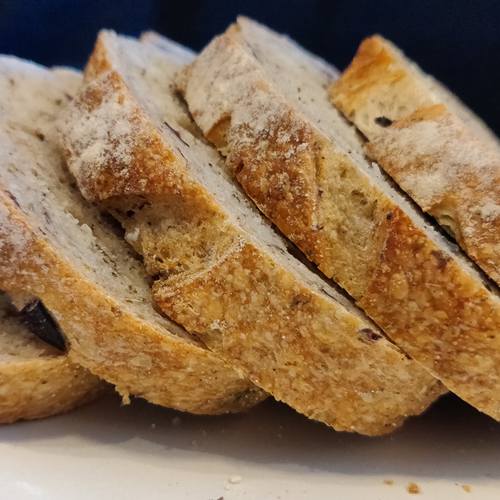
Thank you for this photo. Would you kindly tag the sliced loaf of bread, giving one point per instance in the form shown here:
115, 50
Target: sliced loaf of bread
218, 267
263, 101
36, 379
56, 247
435, 148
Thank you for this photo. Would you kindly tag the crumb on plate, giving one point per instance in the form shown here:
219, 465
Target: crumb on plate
413, 488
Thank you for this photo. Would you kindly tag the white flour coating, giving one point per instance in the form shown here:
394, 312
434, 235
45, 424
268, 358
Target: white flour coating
489, 209
451, 160
453, 174
111, 130
97, 142
291, 75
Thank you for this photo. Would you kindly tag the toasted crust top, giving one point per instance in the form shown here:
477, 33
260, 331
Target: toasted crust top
432, 146
288, 149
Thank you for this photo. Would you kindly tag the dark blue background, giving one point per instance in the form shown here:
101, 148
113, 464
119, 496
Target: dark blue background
456, 40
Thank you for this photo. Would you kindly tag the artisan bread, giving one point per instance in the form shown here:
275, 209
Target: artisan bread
263, 101
436, 149
218, 267
57, 248
36, 379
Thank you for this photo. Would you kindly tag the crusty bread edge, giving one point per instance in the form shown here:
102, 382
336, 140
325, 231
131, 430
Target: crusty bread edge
43, 387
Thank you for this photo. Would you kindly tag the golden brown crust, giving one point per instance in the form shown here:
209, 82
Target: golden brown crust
44, 387
429, 144
136, 357
259, 317
146, 149
409, 281
300, 172
214, 279
454, 321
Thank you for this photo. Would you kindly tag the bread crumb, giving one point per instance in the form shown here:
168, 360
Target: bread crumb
125, 397
413, 488
389, 482
235, 479
153, 426
133, 235
466, 487
176, 421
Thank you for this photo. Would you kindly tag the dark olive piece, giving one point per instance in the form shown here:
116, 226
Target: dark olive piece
368, 335
383, 121
40, 322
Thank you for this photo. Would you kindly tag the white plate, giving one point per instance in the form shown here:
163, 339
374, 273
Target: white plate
105, 451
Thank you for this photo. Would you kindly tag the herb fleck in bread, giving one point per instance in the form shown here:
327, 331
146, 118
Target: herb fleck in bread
442, 155
37, 380
219, 268
56, 247
263, 101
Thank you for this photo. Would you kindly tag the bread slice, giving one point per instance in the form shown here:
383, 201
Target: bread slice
219, 268
36, 379
56, 247
264, 102
436, 149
